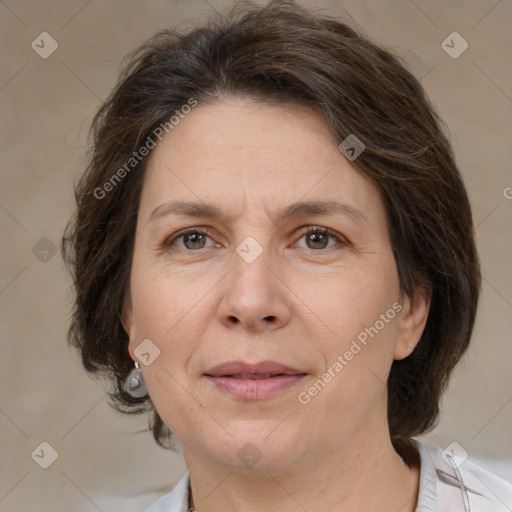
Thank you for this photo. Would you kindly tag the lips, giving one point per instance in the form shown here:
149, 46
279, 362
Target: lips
253, 381
252, 376
241, 370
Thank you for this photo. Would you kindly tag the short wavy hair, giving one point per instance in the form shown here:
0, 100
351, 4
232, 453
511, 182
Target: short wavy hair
282, 53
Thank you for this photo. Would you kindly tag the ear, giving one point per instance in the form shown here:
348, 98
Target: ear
128, 324
412, 321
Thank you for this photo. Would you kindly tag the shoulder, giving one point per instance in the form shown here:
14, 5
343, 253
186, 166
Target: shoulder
461, 483
174, 501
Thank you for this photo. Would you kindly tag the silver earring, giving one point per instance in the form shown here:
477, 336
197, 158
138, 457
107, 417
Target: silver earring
134, 384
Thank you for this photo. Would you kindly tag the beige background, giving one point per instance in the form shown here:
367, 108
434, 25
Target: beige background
104, 460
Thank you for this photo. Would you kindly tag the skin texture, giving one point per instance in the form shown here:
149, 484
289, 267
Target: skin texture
299, 304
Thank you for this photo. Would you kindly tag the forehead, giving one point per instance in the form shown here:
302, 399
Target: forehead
237, 151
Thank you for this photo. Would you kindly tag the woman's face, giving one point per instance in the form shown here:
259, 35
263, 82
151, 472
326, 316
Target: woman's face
287, 269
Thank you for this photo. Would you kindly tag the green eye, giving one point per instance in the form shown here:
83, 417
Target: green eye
317, 238
192, 239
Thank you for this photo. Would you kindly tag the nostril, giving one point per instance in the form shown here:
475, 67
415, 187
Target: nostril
270, 318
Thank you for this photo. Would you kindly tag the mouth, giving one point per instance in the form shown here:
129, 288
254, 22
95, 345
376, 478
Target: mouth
253, 376
247, 381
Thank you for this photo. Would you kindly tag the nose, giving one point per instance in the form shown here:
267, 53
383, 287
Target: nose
254, 297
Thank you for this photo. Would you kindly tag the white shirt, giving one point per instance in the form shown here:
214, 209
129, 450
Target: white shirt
444, 487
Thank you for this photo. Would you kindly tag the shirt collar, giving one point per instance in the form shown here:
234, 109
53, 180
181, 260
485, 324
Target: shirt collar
427, 496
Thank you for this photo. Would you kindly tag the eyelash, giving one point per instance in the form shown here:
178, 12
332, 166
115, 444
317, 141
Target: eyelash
302, 232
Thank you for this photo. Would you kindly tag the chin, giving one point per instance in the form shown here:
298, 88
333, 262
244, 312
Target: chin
258, 449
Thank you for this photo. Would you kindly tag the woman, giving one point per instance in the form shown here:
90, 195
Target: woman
274, 256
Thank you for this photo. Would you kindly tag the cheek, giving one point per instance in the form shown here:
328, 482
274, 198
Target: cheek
357, 333
164, 302
159, 315
344, 304
168, 312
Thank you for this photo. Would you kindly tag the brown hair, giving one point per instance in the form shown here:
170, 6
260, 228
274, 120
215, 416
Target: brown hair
282, 53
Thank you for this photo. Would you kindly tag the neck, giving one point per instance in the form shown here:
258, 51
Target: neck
363, 474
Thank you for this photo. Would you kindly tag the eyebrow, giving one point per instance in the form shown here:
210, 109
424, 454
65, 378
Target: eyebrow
298, 209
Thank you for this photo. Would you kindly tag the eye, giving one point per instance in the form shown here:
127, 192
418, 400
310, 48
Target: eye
318, 238
192, 239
